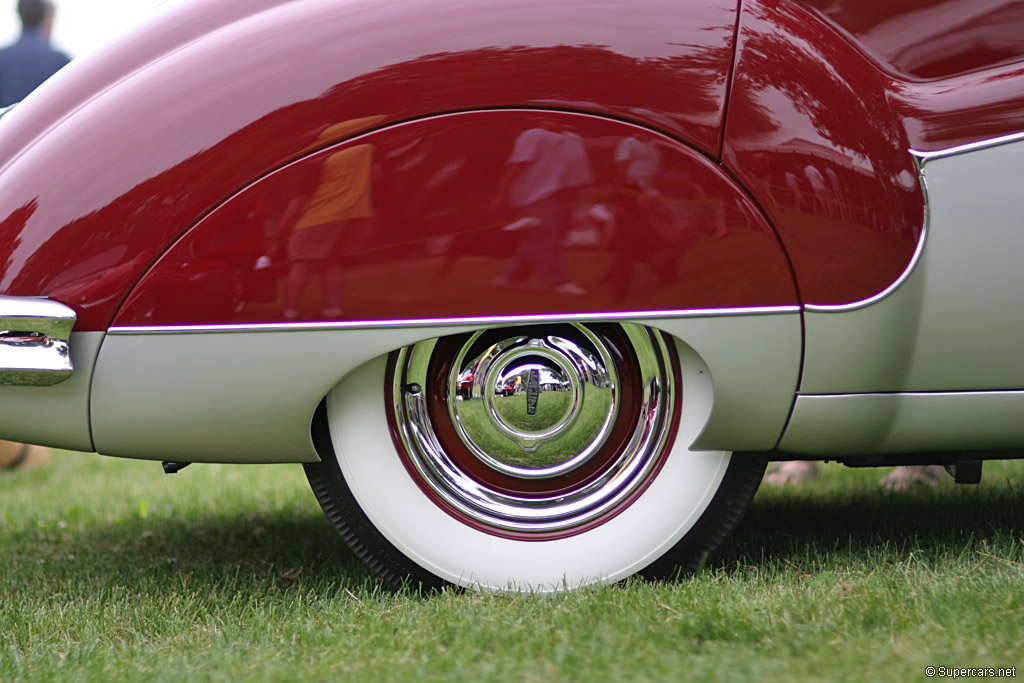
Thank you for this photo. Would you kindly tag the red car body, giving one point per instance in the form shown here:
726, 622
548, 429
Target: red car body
737, 226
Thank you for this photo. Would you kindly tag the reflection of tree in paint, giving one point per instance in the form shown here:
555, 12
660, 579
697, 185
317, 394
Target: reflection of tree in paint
799, 103
932, 38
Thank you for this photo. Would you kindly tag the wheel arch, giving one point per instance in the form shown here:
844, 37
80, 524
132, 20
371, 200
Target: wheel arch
250, 396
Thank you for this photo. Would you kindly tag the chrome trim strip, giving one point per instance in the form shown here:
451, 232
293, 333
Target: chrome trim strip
446, 322
207, 383
833, 425
921, 158
864, 303
34, 335
918, 251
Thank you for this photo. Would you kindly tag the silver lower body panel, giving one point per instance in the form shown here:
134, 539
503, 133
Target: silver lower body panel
55, 415
249, 396
866, 424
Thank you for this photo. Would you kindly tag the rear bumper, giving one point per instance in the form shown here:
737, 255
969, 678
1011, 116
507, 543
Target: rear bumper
34, 337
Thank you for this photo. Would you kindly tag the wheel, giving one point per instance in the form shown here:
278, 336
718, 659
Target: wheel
529, 458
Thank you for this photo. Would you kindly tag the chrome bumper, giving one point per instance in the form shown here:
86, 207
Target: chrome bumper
34, 337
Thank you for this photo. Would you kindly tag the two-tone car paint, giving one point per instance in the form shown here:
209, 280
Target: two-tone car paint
814, 202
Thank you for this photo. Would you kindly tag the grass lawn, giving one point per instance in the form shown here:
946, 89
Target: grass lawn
111, 570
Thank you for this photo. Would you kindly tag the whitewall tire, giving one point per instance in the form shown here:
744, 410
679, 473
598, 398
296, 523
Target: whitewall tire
535, 459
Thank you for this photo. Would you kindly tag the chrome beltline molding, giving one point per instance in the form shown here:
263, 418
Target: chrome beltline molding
914, 260
447, 322
921, 158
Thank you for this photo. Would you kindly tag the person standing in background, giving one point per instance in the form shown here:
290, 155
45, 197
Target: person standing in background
25, 64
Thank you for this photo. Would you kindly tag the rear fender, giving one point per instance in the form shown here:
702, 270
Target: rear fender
420, 230
473, 215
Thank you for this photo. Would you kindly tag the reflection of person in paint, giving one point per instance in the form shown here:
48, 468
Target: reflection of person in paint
342, 200
819, 190
637, 165
544, 174
653, 226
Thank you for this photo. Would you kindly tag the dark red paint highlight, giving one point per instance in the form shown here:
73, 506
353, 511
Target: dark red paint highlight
930, 39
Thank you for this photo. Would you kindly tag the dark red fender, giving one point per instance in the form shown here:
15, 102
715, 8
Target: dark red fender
827, 102
812, 132
106, 166
435, 219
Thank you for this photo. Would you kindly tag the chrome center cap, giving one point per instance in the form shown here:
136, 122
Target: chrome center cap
534, 406
533, 395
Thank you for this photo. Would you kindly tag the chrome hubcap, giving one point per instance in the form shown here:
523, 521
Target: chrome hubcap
533, 406
535, 431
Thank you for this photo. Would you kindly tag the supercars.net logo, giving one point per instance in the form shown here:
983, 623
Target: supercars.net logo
969, 672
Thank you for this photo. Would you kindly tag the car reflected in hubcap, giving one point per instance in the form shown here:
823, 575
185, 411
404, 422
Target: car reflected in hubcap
535, 432
534, 406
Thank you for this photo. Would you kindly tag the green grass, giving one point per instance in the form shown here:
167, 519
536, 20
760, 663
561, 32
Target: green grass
110, 570
503, 448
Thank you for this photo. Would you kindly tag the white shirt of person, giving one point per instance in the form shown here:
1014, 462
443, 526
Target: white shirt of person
550, 161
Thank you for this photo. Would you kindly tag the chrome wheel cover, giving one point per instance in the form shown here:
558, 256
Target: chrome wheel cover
552, 446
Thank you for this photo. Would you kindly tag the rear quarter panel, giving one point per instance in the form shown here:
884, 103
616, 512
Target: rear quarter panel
92, 199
